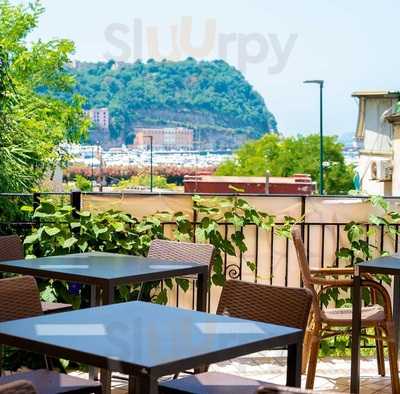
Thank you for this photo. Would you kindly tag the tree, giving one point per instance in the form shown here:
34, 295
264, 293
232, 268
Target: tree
34, 121
210, 96
287, 156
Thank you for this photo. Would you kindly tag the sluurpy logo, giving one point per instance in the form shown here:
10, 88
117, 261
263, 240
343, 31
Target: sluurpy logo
130, 43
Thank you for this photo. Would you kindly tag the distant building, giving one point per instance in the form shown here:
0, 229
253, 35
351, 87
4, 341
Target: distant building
297, 184
100, 117
376, 135
166, 138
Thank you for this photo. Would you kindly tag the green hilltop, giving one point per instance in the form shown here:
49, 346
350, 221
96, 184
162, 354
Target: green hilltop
211, 97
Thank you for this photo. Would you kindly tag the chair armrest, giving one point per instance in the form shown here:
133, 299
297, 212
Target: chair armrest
375, 286
332, 282
332, 271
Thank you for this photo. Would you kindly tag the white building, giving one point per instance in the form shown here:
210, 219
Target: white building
376, 134
100, 117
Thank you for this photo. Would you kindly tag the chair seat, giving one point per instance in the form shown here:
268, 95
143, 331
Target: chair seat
210, 383
50, 382
54, 307
370, 315
222, 383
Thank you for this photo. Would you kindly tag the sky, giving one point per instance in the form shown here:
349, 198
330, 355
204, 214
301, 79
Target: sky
277, 44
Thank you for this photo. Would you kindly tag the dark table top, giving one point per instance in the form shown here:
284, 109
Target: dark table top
138, 337
382, 265
98, 268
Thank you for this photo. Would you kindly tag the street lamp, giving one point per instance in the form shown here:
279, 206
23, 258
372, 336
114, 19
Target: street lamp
151, 162
321, 143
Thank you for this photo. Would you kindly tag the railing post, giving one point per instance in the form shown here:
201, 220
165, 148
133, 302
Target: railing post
35, 200
303, 212
75, 198
35, 205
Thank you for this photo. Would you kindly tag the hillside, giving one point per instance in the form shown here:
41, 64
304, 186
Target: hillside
211, 97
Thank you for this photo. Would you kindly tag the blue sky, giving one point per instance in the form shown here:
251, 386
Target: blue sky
349, 44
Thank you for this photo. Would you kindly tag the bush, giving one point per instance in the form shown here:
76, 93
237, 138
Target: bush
83, 184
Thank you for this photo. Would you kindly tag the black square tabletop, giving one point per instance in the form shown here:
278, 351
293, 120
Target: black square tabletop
97, 267
144, 338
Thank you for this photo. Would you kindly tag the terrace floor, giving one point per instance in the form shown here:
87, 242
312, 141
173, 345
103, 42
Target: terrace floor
333, 374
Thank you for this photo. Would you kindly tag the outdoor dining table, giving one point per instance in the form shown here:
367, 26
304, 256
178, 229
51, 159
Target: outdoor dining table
389, 265
107, 270
104, 271
149, 341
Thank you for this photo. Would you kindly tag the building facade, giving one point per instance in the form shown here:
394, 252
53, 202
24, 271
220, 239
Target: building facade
166, 138
299, 184
100, 117
378, 148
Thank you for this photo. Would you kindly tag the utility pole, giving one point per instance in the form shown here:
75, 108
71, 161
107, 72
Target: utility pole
321, 134
151, 162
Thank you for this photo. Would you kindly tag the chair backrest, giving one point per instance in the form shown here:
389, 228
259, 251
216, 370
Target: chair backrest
11, 248
269, 304
181, 251
304, 268
19, 298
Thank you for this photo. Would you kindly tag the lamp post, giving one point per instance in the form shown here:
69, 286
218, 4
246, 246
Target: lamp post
321, 140
151, 162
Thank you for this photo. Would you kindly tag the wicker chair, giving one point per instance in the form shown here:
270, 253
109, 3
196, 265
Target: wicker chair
269, 304
180, 251
11, 248
20, 299
326, 322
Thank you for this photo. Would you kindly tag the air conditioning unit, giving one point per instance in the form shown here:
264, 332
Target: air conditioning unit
381, 170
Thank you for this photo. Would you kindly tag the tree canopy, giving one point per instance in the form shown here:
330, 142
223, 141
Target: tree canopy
287, 156
211, 97
33, 121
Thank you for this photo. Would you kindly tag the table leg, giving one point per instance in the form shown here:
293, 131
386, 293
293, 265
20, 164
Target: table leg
105, 374
108, 294
396, 306
93, 372
145, 384
355, 339
293, 373
105, 378
202, 287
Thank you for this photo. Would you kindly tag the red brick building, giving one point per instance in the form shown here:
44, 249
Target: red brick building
297, 184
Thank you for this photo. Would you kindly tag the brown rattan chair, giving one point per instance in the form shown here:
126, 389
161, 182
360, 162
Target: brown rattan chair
180, 252
20, 299
223, 383
11, 248
327, 322
268, 304
18, 387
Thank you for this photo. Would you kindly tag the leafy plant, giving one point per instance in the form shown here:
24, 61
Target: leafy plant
83, 184
159, 182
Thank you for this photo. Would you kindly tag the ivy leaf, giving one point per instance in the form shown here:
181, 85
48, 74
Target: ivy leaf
69, 242
183, 284
51, 231
168, 283
30, 239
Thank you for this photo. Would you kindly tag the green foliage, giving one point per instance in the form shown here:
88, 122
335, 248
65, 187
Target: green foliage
159, 182
82, 183
209, 96
62, 231
286, 156
33, 122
